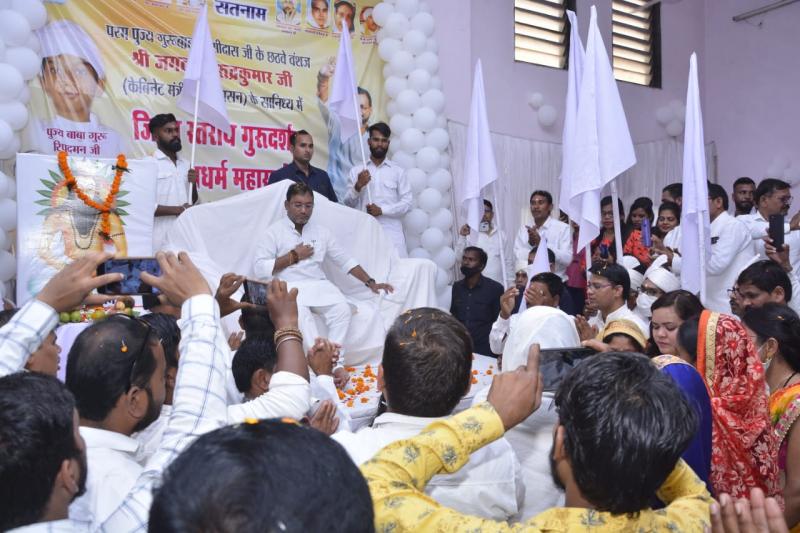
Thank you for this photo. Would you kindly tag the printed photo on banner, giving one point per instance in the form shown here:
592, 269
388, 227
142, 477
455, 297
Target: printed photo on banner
317, 14
368, 25
288, 12
344, 11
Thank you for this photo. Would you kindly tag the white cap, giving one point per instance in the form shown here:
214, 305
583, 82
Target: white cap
66, 37
664, 279
636, 279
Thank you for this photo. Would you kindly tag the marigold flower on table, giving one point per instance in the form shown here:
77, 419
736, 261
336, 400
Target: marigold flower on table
489, 372
474, 381
364, 399
342, 395
349, 403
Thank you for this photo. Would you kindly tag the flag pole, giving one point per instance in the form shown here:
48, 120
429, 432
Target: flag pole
701, 233
617, 220
358, 114
503, 269
194, 137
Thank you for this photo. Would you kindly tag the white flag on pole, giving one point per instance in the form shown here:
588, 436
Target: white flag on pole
202, 94
343, 100
480, 168
695, 225
574, 75
541, 263
603, 147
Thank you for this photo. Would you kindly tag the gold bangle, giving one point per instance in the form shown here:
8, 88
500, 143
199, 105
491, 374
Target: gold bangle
286, 331
287, 338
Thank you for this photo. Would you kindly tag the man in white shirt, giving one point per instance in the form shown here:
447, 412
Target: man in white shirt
425, 371
607, 291
558, 234
742, 196
294, 249
490, 239
174, 177
382, 189
773, 197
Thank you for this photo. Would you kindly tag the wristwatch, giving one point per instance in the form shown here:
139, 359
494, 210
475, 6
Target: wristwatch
370, 280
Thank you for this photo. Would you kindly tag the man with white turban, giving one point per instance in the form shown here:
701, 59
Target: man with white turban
72, 76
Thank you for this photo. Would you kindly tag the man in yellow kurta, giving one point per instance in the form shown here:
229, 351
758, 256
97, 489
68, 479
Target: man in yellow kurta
622, 428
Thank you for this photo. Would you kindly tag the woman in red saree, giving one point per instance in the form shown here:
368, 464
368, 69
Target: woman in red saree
744, 453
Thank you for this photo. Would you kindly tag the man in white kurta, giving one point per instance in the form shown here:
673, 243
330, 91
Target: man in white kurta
490, 239
294, 250
558, 234
382, 189
175, 178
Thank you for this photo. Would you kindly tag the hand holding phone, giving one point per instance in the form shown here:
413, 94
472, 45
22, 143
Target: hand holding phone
131, 269
776, 232
255, 292
647, 237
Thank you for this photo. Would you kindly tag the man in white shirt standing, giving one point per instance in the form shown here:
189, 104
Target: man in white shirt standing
608, 290
381, 189
742, 196
425, 371
558, 234
490, 239
174, 177
294, 249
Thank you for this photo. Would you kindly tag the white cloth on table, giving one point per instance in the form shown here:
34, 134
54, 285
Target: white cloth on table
54, 526
171, 190
214, 234
559, 239
621, 313
388, 189
490, 242
533, 438
489, 485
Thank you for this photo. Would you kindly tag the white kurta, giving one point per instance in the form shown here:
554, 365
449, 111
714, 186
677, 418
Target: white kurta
489, 485
758, 227
622, 313
490, 243
388, 189
559, 239
171, 189
731, 251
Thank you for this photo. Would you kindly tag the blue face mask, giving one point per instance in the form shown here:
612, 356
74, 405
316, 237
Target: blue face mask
484, 227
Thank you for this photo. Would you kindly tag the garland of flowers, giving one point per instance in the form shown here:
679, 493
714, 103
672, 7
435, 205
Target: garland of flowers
105, 207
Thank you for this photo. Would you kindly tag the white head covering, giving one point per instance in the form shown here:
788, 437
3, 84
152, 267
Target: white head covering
66, 37
630, 263
663, 279
547, 326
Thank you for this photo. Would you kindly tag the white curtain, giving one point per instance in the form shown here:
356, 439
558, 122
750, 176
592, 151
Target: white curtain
525, 165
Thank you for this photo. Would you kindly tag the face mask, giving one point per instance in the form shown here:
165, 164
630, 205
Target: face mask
644, 302
469, 271
484, 227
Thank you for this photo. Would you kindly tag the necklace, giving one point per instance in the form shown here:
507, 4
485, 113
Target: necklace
108, 203
77, 234
788, 380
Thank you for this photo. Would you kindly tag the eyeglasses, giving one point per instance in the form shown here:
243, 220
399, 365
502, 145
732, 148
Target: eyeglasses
598, 286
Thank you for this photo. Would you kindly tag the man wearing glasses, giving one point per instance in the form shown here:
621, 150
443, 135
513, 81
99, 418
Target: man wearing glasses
608, 290
381, 189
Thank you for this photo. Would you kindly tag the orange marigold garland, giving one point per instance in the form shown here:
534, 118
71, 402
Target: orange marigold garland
106, 206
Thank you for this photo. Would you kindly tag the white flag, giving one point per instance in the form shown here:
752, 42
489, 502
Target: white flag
603, 147
574, 75
202, 74
343, 98
480, 168
695, 225
541, 263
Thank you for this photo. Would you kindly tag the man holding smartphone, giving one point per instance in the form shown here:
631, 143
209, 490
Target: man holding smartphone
294, 250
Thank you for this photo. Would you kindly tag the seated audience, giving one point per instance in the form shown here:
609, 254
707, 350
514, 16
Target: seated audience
656, 283
608, 290
744, 447
608, 476
476, 299
253, 366
426, 370
763, 282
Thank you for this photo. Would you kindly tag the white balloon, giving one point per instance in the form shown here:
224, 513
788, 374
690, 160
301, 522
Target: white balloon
417, 180
430, 200
408, 101
391, 108
3, 51
444, 297
442, 280
536, 100
442, 219
678, 109
14, 28
547, 115
423, 22
428, 61
664, 115
381, 12
5, 242
432, 239
397, 25
433, 98
33, 10
432, 45
416, 221
400, 122
424, 118
6, 135
424, 7
419, 253
8, 214
414, 41
412, 241
5, 4
24, 95
8, 266
5, 185
428, 159
13, 147
15, 114
438, 138
441, 180
412, 140
444, 160
395, 85
674, 128
444, 259
407, 7
402, 63
404, 159
33, 43
419, 80
388, 48
11, 82
447, 200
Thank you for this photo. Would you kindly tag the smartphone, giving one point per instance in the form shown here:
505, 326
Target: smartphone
604, 251
555, 364
255, 292
647, 237
131, 268
776, 231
